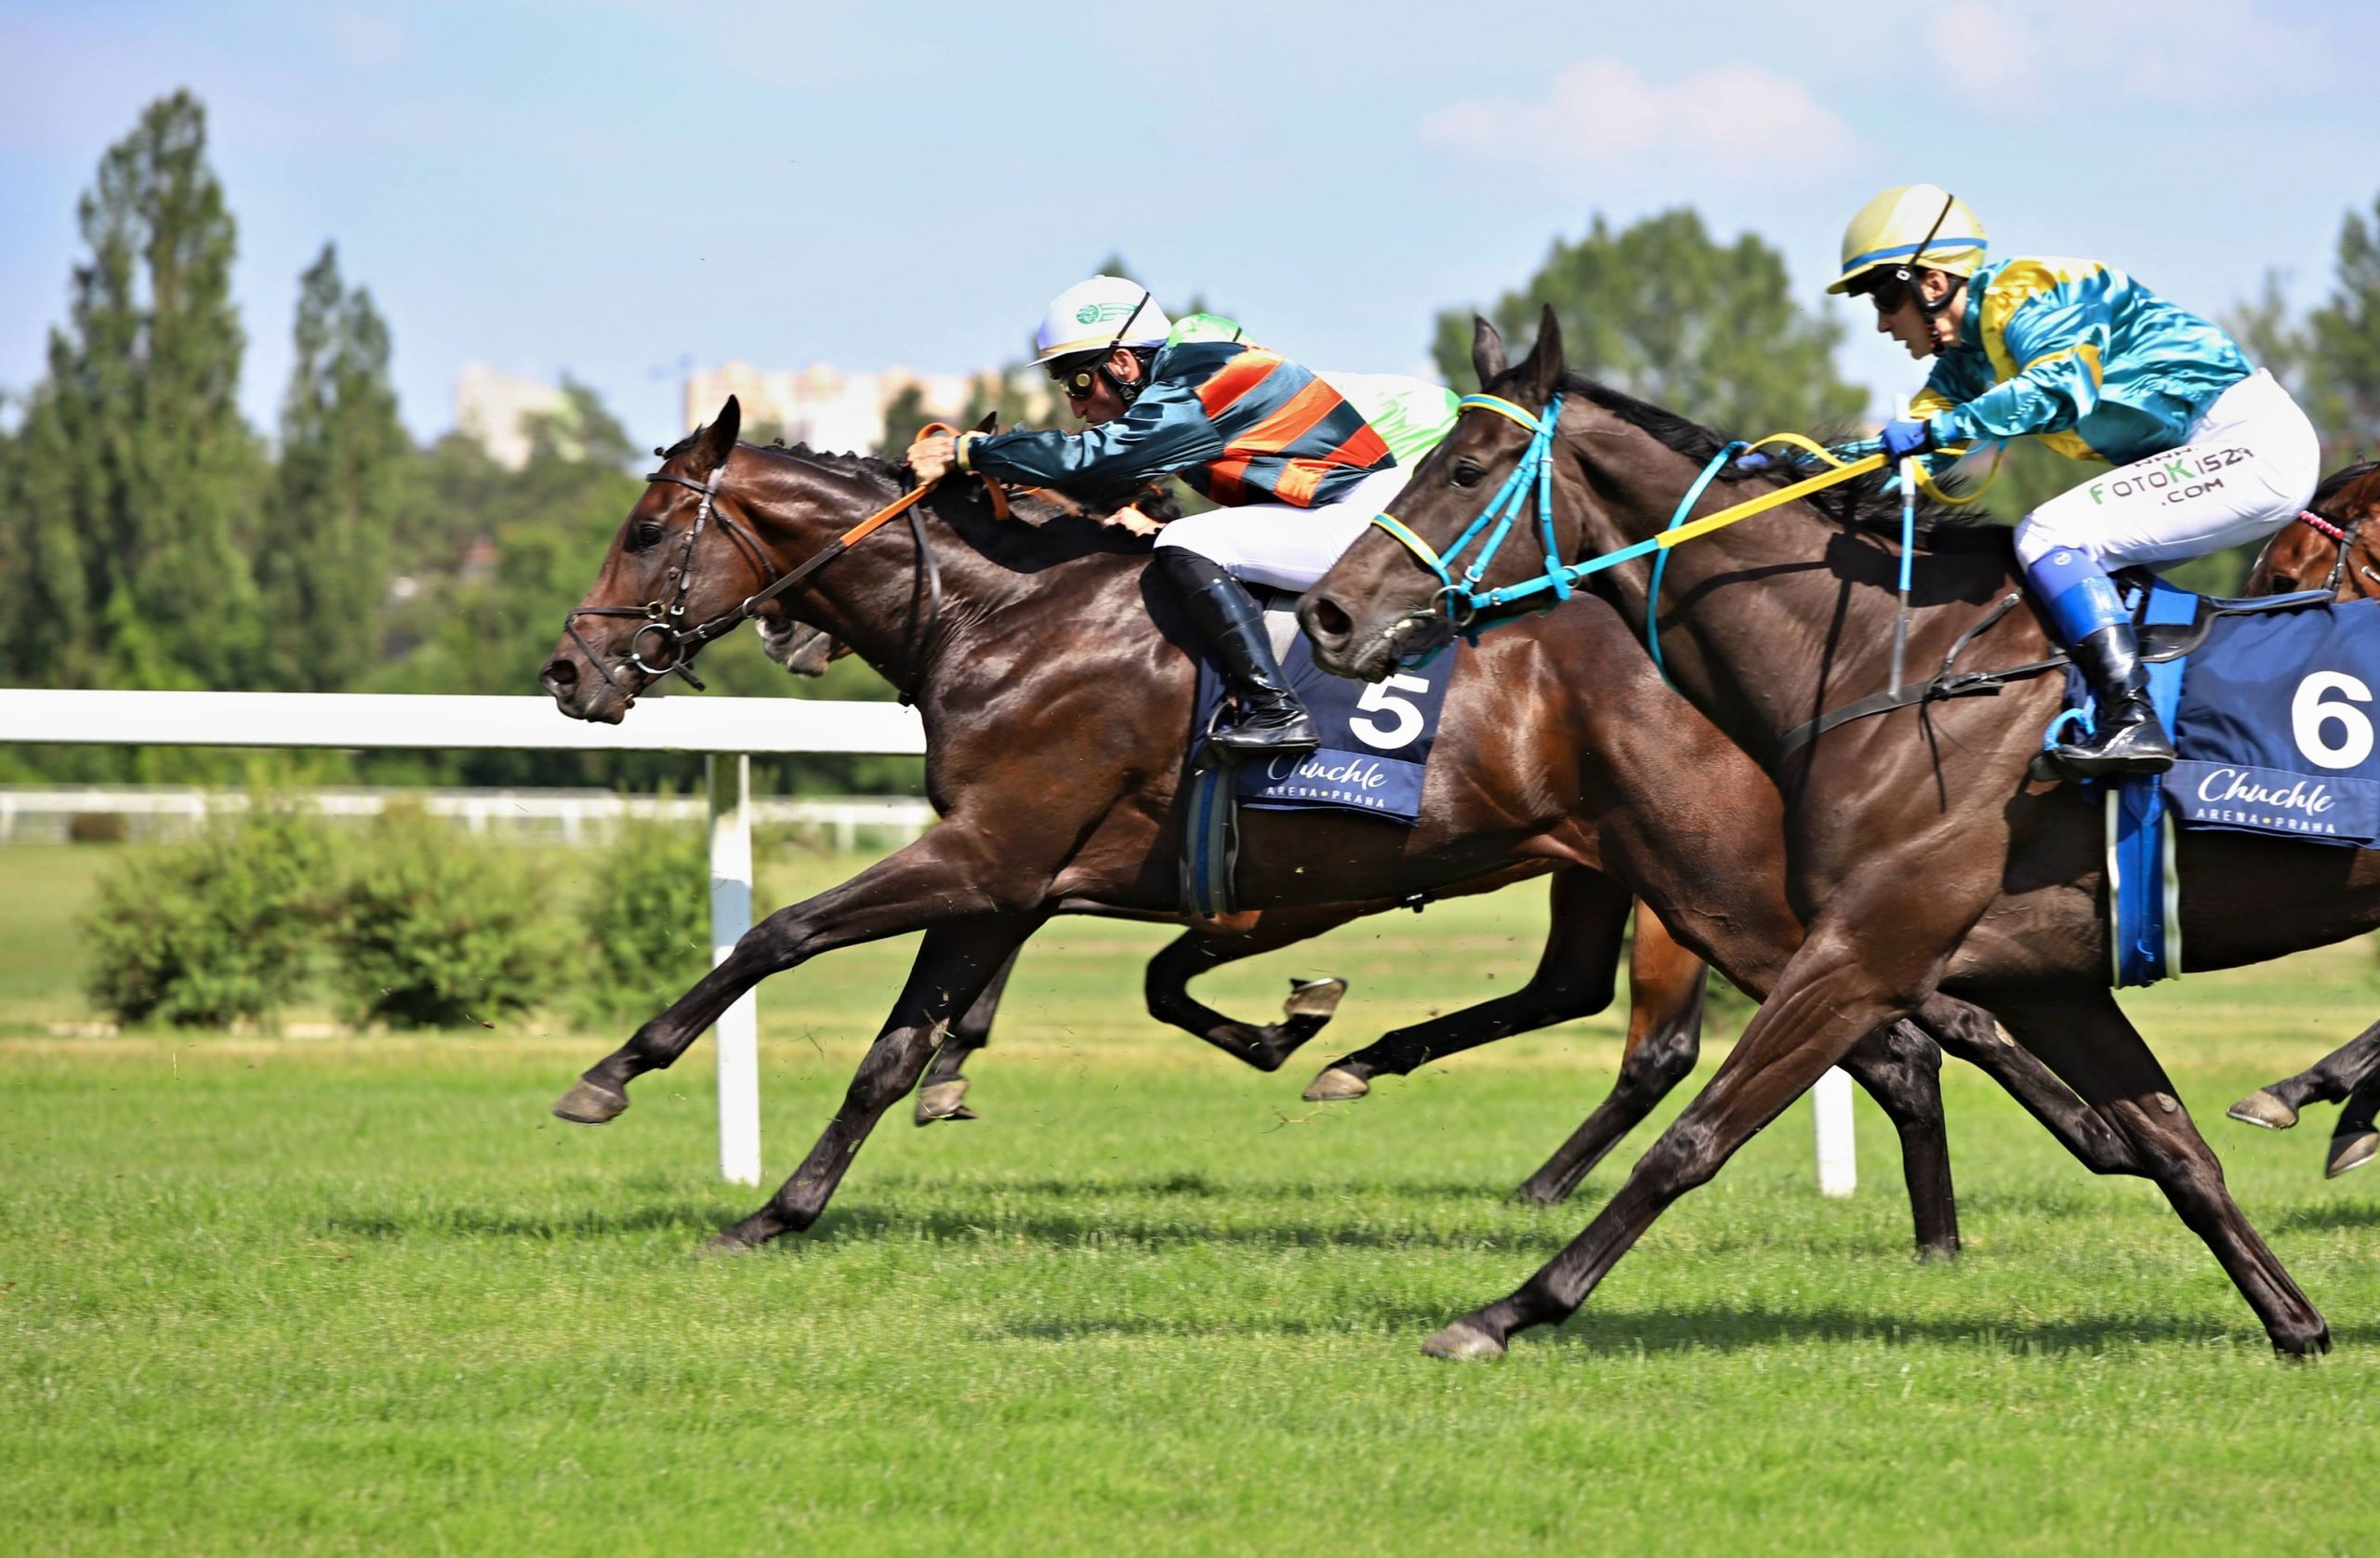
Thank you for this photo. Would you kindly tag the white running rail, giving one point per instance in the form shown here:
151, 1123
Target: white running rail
727, 730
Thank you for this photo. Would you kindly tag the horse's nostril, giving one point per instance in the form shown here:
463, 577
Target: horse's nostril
1329, 620
560, 675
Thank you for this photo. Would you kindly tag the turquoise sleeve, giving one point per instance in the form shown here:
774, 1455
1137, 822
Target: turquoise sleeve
2062, 340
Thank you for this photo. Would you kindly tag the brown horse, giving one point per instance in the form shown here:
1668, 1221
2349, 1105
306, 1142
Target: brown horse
1919, 854
1665, 988
1044, 663
2328, 548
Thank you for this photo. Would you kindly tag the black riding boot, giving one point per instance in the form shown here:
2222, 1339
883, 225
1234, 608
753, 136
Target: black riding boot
1271, 718
2128, 739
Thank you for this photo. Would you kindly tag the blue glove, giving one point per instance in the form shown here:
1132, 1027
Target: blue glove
1754, 461
1903, 439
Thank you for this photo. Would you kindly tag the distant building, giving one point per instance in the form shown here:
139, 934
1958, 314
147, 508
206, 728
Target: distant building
819, 405
496, 409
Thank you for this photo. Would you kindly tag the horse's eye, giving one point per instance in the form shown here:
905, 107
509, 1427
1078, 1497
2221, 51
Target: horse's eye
1466, 473
644, 533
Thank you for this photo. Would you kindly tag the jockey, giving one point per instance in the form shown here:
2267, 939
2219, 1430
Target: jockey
1300, 465
2209, 451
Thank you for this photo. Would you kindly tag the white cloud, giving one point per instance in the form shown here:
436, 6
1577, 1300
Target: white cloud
1737, 118
2028, 53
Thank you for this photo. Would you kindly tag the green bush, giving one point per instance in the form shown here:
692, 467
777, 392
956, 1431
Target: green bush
214, 930
646, 924
437, 929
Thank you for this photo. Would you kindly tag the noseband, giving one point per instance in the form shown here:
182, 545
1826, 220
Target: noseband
666, 619
2345, 537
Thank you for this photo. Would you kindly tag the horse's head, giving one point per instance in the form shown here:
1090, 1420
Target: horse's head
2337, 554
1382, 603
678, 570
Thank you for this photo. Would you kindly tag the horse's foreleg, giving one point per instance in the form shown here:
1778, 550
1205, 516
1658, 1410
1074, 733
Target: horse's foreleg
1196, 951
1969, 1034
1826, 999
2328, 1080
948, 874
953, 965
2087, 1041
1665, 987
2354, 1141
1573, 978
943, 1094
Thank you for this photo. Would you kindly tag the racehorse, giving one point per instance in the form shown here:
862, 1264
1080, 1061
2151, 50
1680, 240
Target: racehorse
1921, 855
1056, 711
1665, 983
2328, 548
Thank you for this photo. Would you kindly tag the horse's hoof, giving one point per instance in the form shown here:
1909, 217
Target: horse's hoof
2260, 1108
1314, 998
1938, 1254
1336, 1085
1537, 1192
1462, 1341
2349, 1153
721, 1245
944, 1101
591, 1104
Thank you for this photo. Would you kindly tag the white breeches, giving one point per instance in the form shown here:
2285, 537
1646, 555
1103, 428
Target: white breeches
1279, 544
2250, 464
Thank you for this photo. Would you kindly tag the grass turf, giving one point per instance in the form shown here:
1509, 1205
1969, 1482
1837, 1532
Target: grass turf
364, 1295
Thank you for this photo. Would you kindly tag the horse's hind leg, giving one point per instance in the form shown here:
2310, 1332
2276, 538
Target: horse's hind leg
2354, 1141
1573, 978
1665, 987
943, 1094
2087, 1041
1969, 1034
2328, 1080
953, 965
1198, 951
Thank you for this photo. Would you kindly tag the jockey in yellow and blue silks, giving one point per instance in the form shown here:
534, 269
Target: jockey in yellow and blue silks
1299, 461
2210, 452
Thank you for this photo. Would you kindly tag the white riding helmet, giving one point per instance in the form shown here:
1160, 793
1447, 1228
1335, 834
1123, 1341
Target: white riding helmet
1103, 311
1908, 226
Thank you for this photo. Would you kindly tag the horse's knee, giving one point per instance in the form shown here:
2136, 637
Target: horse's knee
1662, 1059
1686, 1156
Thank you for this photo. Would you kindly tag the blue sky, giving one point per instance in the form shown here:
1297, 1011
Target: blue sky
617, 189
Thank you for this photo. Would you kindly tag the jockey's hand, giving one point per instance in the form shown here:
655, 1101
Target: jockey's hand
1905, 438
932, 457
1131, 519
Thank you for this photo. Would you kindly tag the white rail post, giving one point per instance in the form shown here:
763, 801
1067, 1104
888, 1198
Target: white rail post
1838, 1163
737, 1032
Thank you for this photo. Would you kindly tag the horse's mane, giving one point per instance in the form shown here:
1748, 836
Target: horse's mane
1863, 503
1063, 521
2338, 481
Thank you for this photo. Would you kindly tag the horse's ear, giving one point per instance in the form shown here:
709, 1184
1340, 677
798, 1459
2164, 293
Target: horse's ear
1543, 368
718, 438
1489, 359
990, 424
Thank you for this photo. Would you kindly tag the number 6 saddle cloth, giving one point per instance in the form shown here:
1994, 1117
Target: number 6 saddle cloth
2272, 709
1376, 738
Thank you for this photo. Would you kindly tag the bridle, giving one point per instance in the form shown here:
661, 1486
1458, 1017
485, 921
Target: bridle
666, 619
2345, 536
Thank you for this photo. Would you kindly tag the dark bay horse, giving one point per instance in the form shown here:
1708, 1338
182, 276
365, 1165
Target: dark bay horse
2330, 547
1921, 858
1665, 988
1056, 712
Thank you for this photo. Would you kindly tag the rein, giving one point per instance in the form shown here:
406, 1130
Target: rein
2344, 536
1463, 603
663, 618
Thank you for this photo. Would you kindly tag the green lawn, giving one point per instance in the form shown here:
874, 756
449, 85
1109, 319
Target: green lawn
366, 1294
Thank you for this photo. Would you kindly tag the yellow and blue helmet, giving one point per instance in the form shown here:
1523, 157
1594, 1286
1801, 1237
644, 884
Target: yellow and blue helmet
1910, 226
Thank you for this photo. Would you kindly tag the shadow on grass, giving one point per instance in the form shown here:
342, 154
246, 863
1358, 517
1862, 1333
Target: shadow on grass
2328, 1217
1703, 1329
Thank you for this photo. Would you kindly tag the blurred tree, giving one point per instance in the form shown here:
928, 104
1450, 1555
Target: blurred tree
137, 483
345, 463
2343, 347
1660, 311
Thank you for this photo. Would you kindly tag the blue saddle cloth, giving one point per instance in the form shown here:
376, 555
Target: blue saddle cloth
1376, 739
2271, 717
